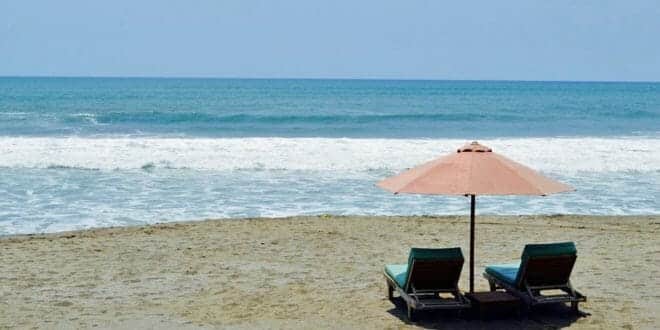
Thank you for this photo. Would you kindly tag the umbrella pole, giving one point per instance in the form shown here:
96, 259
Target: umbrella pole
472, 202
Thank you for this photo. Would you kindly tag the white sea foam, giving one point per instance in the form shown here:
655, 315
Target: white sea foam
322, 154
145, 180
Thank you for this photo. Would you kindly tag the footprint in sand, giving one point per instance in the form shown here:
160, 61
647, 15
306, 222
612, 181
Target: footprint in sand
63, 303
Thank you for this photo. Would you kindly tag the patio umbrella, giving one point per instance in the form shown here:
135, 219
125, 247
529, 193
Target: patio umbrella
472, 170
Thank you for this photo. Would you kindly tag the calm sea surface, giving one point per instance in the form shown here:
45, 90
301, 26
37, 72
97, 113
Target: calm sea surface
90, 152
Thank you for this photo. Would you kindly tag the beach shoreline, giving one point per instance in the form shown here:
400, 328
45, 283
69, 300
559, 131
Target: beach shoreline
297, 272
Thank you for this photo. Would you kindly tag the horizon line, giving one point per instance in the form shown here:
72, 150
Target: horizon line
322, 78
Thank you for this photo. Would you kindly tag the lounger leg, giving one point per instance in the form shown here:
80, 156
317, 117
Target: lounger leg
575, 308
525, 309
492, 285
390, 292
411, 313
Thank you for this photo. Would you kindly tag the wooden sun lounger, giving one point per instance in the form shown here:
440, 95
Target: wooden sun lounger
431, 281
543, 267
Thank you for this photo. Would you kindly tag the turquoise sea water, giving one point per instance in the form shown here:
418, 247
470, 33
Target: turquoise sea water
328, 108
88, 152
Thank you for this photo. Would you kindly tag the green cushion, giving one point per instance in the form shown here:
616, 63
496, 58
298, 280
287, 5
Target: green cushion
504, 272
399, 273
435, 254
546, 250
550, 249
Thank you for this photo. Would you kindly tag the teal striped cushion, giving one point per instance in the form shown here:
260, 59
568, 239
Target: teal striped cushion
504, 272
399, 273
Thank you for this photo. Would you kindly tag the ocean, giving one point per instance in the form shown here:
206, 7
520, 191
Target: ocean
81, 153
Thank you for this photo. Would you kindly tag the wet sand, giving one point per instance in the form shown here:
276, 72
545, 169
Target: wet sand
308, 272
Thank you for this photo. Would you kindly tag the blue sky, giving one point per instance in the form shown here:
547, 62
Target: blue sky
517, 40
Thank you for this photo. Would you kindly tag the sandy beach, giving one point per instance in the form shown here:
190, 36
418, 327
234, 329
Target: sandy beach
307, 272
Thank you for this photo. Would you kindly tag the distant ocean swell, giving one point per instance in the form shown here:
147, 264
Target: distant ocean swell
30, 123
158, 117
325, 108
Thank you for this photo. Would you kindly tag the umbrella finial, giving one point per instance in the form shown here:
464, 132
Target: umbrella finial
474, 147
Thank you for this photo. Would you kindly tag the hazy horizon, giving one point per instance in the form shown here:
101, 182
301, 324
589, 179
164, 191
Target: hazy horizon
329, 78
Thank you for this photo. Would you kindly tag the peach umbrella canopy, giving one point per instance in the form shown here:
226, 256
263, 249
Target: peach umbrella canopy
473, 170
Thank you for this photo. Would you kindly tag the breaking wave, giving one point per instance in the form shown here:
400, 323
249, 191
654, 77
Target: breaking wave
320, 154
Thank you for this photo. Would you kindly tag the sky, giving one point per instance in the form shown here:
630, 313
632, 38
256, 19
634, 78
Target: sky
413, 39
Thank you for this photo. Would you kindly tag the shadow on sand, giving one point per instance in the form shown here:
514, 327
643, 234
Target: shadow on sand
541, 317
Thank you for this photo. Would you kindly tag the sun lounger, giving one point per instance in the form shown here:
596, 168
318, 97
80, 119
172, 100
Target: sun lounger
429, 280
543, 268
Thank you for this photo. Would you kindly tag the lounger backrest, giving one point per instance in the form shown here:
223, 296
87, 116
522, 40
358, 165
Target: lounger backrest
434, 269
546, 264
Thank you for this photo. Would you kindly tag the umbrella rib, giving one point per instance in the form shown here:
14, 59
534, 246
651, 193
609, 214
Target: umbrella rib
470, 175
523, 178
417, 177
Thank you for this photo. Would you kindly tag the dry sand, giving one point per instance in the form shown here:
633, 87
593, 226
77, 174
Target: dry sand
307, 272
